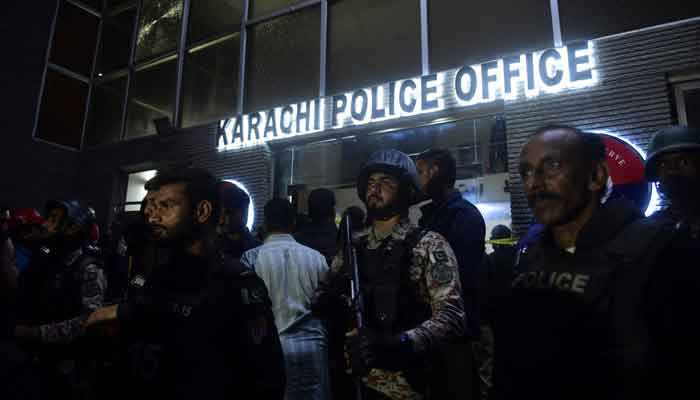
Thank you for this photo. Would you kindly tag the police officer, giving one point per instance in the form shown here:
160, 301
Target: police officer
203, 326
461, 223
410, 284
597, 305
235, 238
458, 220
674, 162
61, 286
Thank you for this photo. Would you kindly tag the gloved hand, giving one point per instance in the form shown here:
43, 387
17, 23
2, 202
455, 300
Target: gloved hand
368, 349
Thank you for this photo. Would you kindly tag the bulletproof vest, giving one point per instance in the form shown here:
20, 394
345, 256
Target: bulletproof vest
59, 296
391, 298
584, 315
183, 320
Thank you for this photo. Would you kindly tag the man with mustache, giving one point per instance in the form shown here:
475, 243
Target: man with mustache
597, 309
410, 283
674, 162
203, 326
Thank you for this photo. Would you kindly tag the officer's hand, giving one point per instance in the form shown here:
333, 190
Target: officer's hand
100, 315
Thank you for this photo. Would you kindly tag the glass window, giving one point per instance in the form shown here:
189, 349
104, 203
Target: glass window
468, 32
135, 191
94, 4
478, 145
372, 42
260, 8
589, 19
114, 3
116, 42
62, 110
688, 103
283, 60
152, 95
214, 17
74, 39
159, 27
692, 107
211, 82
105, 115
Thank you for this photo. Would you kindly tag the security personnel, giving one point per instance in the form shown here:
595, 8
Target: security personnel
600, 305
410, 284
234, 236
61, 286
674, 162
203, 327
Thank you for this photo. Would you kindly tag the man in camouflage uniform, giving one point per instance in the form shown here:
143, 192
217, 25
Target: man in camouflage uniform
410, 283
61, 286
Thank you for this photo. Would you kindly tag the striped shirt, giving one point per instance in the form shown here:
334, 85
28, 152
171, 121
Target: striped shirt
291, 272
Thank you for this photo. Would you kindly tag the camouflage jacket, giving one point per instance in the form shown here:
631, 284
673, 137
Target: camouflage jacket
434, 270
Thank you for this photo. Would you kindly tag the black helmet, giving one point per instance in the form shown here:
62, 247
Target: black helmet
392, 162
75, 212
670, 139
500, 232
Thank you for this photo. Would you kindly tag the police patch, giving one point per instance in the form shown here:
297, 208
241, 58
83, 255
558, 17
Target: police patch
440, 256
258, 329
138, 281
442, 273
257, 295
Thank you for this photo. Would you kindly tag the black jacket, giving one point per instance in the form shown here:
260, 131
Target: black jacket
235, 248
607, 321
203, 329
321, 237
461, 223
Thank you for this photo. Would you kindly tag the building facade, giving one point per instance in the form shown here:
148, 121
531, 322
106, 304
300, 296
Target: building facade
287, 96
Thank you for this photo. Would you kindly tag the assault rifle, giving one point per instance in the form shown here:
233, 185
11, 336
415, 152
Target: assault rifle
357, 301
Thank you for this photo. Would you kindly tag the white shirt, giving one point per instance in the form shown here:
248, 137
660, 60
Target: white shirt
291, 272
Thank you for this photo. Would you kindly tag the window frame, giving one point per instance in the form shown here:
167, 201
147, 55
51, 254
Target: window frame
680, 90
183, 50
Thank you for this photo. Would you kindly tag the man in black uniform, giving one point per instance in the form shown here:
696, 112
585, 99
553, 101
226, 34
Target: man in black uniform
234, 236
410, 283
62, 285
598, 306
461, 223
320, 233
674, 162
458, 220
203, 327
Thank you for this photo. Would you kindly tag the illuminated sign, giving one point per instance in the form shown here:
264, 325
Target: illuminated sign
251, 206
626, 166
510, 78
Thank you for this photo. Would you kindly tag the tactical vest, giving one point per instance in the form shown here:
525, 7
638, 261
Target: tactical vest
60, 297
584, 316
392, 300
